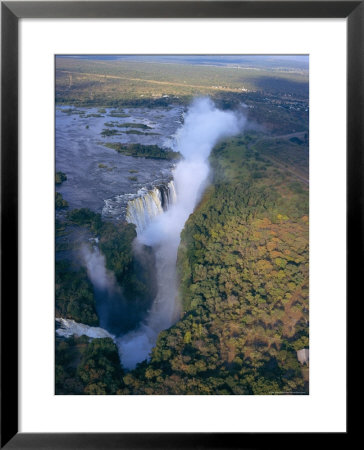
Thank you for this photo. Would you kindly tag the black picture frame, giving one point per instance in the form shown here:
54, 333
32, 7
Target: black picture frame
11, 12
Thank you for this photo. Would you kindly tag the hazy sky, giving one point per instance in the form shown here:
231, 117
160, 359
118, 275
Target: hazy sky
297, 61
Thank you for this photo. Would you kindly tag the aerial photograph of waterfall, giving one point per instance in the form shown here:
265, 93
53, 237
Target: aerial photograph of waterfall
182, 225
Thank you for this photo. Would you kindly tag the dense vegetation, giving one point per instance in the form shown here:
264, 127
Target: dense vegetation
243, 265
134, 273
74, 294
86, 366
117, 113
110, 132
114, 132
144, 151
60, 177
134, 125
292, 152
60, 202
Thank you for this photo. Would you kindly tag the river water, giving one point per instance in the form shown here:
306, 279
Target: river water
159, 217
98, 177
101, 179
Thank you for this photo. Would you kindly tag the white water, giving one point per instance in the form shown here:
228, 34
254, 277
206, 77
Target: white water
159, 217
204, 125
69, 327
143, 209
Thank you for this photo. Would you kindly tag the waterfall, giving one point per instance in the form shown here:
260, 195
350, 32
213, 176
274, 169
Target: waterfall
110, 303
160, 215
168, 195
203, 127
143, 209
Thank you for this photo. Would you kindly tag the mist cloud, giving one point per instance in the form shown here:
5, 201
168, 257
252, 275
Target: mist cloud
203, 127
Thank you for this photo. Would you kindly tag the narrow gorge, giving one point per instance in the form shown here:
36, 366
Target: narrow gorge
160, 228
159, 215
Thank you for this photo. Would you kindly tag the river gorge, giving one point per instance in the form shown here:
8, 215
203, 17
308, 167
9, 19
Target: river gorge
157, 196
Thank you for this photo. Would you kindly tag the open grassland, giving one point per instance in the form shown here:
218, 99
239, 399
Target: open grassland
275, 101
86, 81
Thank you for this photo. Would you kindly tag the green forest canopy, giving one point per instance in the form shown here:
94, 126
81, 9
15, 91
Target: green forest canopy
243, 268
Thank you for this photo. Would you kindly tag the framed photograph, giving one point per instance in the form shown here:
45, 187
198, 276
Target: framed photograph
181, 208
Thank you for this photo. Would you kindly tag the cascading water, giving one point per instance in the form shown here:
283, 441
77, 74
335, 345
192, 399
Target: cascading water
159, 215
68, 327
204, 125
143, 209
112, 308
169, 195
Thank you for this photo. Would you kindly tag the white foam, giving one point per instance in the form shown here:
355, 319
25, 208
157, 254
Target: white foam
69, 327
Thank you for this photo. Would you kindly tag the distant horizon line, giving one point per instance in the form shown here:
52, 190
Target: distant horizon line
275, 62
